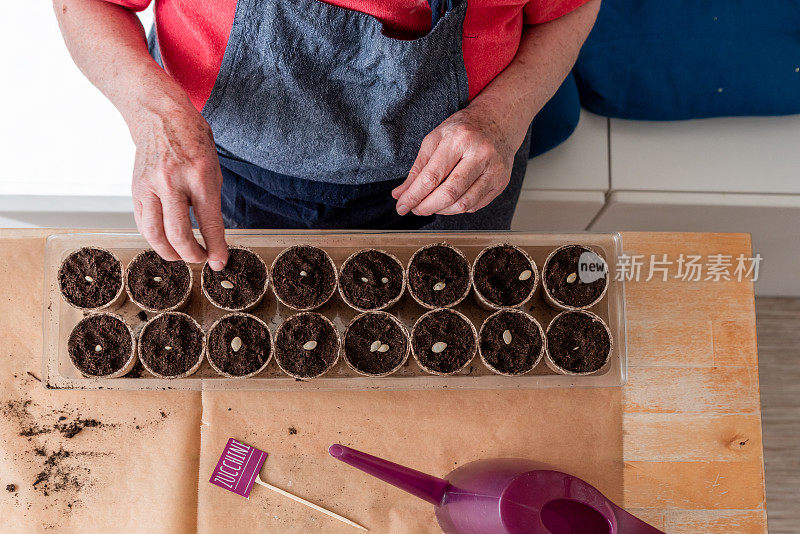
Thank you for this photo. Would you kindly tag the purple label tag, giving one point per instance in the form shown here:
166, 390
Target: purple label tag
237, 467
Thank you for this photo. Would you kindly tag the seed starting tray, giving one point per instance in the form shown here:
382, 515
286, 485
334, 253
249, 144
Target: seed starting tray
59, 318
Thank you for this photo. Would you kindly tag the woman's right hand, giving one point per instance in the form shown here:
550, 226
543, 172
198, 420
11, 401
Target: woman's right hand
176, 167
176, 162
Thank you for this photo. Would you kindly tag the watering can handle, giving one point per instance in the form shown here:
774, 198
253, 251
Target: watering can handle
422, 485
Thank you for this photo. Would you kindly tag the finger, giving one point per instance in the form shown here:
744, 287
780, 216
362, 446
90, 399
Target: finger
149, 220
438, 168
453, 188
426, 150
478, 196
502, 181
488, 199
483, 187
178, 228
208, 211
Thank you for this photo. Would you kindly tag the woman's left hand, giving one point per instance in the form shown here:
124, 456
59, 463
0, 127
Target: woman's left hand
461, 167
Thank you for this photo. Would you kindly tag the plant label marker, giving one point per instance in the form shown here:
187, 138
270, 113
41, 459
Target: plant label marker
238, 467
237, 471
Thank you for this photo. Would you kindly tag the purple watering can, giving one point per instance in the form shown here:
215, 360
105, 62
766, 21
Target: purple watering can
504, 496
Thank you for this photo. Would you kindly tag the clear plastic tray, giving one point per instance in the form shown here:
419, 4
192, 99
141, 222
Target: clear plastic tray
59, 318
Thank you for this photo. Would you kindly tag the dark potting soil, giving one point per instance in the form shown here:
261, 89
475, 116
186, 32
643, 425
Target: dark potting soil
253, 353
104, 270
578, 342
56, 476
497, 273
366, 331
362, 279
176, 331
296, 332
575, 293
154, 294
304, 291
107, 332
447, 327
434, 265
520, 355
73, 428
245, 271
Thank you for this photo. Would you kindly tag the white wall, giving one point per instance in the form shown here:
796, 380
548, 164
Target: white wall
60, 140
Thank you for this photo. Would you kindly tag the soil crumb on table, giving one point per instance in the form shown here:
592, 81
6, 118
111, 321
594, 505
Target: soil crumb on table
31, 426
56, 476
71, 429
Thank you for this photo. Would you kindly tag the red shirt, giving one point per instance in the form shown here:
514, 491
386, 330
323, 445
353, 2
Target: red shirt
192, 35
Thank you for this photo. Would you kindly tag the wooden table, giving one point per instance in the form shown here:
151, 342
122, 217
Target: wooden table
692, 446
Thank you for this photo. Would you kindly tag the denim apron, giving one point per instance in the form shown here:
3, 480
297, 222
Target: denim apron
318, 115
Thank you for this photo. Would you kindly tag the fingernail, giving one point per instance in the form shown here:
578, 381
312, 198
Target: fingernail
216, 265
402, 209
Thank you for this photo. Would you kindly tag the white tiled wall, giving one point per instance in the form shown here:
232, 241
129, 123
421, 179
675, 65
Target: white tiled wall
730, 155
59, 136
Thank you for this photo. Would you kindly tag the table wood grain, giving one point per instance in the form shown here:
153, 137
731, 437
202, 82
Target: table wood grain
692, 449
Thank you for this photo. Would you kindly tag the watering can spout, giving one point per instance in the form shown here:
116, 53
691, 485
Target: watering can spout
422, 485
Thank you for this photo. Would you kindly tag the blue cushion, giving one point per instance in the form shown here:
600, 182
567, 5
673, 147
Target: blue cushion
656, 60
557, 119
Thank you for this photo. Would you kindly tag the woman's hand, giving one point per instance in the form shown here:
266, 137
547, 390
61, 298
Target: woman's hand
466, 161
176, 161
461, 167
176, 166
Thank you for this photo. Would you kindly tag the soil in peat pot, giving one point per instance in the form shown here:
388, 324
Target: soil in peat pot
306, 345
90, 278
510, 342
107, 333
171, 344
366, 338
578, 342
438, 276
242, 357
443, 341
564, 282
157, 284
371, 279
240, 284
504, 276
303, 277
